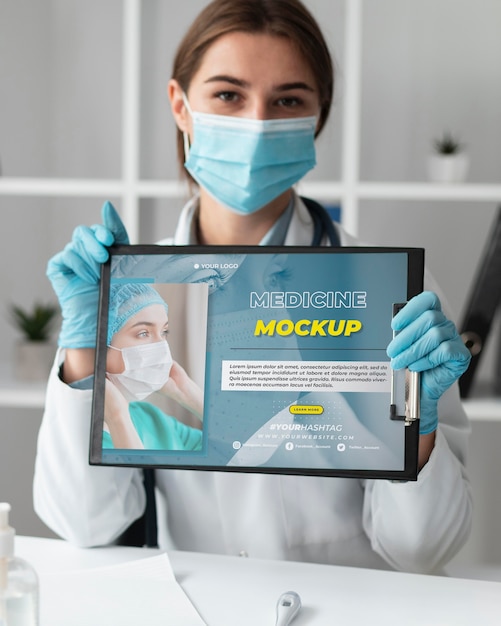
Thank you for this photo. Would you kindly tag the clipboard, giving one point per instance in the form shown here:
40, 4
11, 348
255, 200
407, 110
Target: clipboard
282, 349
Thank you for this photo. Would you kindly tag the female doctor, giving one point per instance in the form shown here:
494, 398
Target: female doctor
252, 86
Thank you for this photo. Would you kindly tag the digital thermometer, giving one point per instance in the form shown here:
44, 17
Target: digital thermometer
288, 606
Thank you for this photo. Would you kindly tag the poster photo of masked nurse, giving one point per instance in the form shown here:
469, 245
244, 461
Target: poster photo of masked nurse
151, 402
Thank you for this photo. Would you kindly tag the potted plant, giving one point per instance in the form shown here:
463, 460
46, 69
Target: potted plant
449, 162
34, 353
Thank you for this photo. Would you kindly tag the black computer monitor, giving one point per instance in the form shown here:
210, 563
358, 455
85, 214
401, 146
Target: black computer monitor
483, 302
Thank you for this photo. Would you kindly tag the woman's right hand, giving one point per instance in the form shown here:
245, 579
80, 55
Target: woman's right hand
75, 274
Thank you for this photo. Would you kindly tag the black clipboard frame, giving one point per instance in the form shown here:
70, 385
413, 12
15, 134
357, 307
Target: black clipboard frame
415, 276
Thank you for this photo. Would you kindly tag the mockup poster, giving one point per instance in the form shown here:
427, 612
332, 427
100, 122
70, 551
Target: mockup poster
288, 349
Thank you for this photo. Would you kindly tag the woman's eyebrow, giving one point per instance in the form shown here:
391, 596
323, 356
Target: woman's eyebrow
238, 82
224, 78
298, 85
148, 323
142, 324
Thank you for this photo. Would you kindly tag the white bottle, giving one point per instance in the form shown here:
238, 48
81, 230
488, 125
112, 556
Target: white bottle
18, 580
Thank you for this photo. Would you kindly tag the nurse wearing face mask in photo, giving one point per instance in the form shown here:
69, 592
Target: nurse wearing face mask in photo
252, 86
138, 364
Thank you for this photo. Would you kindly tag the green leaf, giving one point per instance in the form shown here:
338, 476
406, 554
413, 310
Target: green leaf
447, 144
35, 324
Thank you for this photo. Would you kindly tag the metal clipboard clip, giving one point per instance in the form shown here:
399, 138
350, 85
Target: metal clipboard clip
404, 384
410, 412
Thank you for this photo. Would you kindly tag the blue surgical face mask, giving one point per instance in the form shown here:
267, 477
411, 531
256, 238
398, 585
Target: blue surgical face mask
246, 163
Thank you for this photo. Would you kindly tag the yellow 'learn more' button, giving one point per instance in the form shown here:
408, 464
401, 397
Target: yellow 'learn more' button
306, 409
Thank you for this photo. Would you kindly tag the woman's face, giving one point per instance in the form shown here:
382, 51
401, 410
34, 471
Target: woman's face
257, 76
150, 325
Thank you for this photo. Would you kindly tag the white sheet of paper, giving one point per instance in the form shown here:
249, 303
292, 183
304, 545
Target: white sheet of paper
136, 592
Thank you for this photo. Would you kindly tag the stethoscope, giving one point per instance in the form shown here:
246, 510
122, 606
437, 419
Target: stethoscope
322, 224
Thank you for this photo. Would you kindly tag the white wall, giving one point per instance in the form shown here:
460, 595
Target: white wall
430, 66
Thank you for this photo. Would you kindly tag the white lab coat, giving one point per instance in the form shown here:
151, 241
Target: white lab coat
414, 526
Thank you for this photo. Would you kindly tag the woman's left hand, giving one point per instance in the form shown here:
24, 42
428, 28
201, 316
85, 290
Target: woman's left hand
183, 390
429, 343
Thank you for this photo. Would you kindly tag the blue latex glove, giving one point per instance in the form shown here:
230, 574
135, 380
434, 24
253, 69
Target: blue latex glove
429, 343
75, 274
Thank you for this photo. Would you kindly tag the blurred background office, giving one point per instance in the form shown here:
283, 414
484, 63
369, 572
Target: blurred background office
84, 117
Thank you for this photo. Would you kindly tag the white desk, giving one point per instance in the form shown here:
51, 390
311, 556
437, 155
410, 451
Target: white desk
230, 591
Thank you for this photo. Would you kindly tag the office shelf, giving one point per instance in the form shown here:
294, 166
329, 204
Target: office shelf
430, 191
483, 409
20, 396
329, 191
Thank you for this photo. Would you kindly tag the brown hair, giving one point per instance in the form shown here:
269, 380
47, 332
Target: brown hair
284, 18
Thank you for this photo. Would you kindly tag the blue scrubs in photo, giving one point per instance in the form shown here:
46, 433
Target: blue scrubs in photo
159, 431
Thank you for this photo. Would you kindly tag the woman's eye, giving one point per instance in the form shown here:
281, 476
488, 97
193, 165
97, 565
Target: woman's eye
165, 332
143, 334
227, 96
289, 102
